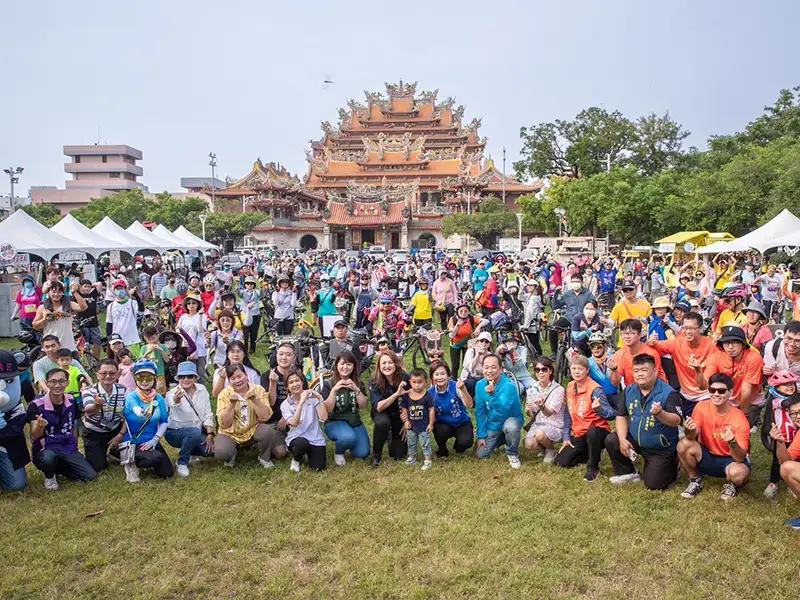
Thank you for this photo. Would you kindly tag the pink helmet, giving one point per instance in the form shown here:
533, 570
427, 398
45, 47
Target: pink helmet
781, 377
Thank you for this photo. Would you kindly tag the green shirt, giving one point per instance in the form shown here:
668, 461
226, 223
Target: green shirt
156, 357
345, 407
168, 293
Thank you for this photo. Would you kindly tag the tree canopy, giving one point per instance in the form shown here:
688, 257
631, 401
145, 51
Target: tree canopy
492, 218
47, 214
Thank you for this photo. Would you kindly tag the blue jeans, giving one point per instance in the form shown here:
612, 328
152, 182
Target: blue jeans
10, 479
413, 437
189, 441
355, 439
508, 435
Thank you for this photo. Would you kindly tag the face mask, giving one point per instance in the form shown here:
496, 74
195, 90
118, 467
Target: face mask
227, 269
575, 286
589, 314
121, 293
28, 285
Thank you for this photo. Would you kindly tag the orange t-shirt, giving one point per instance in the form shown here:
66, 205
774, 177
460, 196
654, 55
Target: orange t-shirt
794, 448
624, 360
749, 369
712, 425
680, 350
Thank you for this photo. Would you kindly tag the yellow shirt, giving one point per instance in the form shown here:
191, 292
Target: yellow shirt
622, 311
728, 317
422, 303
244, 416
724, 277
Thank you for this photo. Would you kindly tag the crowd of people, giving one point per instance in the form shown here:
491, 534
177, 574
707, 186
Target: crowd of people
672, 365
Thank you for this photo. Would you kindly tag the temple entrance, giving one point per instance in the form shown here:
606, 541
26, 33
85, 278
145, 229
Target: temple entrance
339, 244
368, 236
426, 240
395, 239
308, 242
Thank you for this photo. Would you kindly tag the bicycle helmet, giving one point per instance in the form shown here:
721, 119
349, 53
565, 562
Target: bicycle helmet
597, 338
26, 336
734, 291
386, 298
781, 377
165, 303
145, 366
683, 305
181, 287
209, 280
194, 276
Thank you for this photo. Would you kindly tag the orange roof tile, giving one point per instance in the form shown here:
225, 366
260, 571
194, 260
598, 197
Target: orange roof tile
363, 214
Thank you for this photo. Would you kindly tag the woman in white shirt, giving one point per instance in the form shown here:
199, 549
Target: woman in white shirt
194, 323
190, 427
472, 371
545, 404
235, 354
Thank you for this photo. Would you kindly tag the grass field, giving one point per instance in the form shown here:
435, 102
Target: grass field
464, 529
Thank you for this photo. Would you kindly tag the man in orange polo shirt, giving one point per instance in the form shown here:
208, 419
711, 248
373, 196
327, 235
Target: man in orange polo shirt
621, 364
789, 457
689, 343
740, 362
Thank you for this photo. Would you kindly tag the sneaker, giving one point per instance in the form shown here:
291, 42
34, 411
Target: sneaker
131, 473
376, 462
729, 491
230, 463
113, 456
427, 464
51, 483
513, 460
695, 487
627, 478
193, 460
340, 460
411, 461
771, 492
793, 523
267, 464
182, 470
295, 466
591, 475
550, 456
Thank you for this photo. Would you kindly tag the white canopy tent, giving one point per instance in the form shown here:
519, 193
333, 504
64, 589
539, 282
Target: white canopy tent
761, 239
165, 234
73, 229
109, 229
192, 240
791, 240
140, 231
27, 235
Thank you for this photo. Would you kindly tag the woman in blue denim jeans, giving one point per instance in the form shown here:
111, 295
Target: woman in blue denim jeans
344, 397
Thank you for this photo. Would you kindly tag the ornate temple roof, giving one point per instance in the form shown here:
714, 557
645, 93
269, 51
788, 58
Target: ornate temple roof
265, 177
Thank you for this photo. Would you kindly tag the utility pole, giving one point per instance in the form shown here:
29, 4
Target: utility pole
504, 183
520, 217
13, 177
213, 164
608, 162
203, 218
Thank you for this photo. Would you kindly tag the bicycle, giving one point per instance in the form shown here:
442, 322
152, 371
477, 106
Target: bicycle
84, 355
562, 349
425, 345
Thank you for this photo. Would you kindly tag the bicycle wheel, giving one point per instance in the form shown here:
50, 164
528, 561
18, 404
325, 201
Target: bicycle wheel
561, 363
418, 358
90, 362
514, 380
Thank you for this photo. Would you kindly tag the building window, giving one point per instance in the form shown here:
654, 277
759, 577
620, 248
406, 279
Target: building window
114, 175
105, 158
77, 159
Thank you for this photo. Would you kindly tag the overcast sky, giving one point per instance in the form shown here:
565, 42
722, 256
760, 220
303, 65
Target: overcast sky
178, 79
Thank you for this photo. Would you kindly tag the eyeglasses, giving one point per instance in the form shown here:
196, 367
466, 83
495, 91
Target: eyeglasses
107, 374
717, 391
541, 369
56, 382
145, 378
484, 341
795, 414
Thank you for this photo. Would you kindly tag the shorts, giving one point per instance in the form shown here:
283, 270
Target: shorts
714, 465
92, 335
554, 434
280, 436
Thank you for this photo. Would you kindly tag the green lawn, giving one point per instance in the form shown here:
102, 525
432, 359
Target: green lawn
464, 529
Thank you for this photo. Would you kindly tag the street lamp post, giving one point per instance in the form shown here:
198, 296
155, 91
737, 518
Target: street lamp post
520, 217
203, 218
504, 181
560, 212
213, 164
13, 176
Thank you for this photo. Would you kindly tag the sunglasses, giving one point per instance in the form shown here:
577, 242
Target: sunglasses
718, 391
145, 378
541, 369
483, 341
186, 376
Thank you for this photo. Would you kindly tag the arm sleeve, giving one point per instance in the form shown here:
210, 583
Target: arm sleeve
665, 347
374, 396
565, 434
606, 411
287, 411
481, 415
673, 402
622, 407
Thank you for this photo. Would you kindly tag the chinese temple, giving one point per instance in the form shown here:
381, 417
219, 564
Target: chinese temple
388, 173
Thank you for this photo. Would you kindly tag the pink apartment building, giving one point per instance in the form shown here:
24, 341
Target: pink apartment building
96, 171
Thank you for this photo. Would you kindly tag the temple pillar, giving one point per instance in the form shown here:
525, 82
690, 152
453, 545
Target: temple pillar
326, 237
404, 236
348, 238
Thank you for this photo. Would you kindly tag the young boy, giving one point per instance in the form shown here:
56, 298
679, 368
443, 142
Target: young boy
77, 380
158, 353
417, 412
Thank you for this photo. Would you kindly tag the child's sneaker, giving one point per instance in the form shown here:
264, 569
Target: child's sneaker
793, 523
295, 466
591, 475
771, 492
340, 460
513, 460
411, 461
427, 464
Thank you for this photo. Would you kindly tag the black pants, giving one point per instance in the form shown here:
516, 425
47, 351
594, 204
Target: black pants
284, 326
672, 374
426, 323
660, 467
250, 333
456, 355
463, 435
470, 383
586, 448
157, 459
775, 468
446, 315
95, 447
535, 342
71, 465
384, 425
553, 334
317, 456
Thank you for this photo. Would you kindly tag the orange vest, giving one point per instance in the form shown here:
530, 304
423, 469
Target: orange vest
579, 404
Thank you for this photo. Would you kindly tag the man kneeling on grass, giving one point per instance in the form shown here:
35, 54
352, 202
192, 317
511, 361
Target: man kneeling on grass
498, 412
647, 424
789, 457
717, 441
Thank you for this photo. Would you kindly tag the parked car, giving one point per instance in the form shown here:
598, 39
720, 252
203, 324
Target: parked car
234, 260
481, 254
377, 252
399, 257
425, 253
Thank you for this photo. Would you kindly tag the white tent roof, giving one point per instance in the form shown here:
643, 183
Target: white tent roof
140, 231
73, 229
27, 235
762, 239
109, 229
791, 240
165, 234
192, 240
714, 248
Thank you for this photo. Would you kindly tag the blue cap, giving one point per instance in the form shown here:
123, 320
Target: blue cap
186, 369
144, 366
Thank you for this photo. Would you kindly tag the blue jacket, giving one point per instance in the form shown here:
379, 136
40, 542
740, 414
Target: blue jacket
449, 408
648, 431
492, 410
603, 377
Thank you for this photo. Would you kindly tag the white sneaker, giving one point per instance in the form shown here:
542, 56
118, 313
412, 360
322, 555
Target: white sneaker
267, 464
629, 478
340, 460
193, 460
182, 470
51, 483
550, 456
230, 463
131, 473
772, 491
295, 466
427, 464
513, 460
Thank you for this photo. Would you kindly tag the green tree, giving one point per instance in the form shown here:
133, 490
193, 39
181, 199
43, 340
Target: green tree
657, 144
123, 208
47, 214
490, 221
220, 226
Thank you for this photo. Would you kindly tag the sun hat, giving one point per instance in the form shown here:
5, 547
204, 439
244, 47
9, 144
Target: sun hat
661, 302
731, 333
186, 369
757, 307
